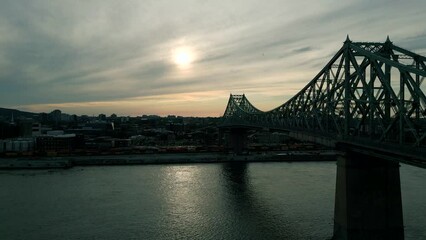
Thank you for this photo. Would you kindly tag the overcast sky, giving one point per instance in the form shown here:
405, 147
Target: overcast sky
125, 57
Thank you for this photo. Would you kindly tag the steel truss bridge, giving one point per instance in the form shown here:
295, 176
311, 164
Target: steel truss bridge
368, 95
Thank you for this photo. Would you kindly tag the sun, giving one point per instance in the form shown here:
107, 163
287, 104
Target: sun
183, 57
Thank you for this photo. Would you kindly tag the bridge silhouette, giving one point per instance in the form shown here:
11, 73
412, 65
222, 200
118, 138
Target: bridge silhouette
367, 101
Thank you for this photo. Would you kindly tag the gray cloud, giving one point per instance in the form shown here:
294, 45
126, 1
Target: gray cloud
92, 51
303, 49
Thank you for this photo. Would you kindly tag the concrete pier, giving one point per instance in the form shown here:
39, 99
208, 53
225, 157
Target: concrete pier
368, 199
238, 140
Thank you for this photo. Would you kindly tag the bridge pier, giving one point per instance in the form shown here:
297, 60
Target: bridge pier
368, 199
238, 140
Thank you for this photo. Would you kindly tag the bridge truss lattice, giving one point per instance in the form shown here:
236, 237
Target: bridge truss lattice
369, 91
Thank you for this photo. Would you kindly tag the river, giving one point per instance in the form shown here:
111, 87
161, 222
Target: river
186, 201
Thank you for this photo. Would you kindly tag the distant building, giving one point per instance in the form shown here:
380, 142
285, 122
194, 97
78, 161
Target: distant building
8, 130
36, 129
59, 143
124, 119
12, 119
121, 143
25, 127
19, 145
94, 129
55, 132
84, 118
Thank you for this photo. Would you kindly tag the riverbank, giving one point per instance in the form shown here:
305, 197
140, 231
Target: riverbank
168, 158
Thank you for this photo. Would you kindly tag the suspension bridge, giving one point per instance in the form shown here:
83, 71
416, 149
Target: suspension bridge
369, 102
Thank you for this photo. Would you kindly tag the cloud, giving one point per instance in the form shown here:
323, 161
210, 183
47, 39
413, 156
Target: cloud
83, 52
303, 49
201, 102
415, 42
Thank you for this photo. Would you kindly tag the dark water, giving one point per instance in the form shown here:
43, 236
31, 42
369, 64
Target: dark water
199, 201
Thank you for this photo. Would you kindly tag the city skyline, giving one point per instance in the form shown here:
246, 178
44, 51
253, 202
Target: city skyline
181, 58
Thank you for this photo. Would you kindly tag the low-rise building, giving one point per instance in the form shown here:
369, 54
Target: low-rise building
19, 145
59, 143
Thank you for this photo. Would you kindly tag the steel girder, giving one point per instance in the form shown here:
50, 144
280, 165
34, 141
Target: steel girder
368, 90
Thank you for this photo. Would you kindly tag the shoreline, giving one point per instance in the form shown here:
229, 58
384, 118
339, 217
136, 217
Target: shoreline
164, 158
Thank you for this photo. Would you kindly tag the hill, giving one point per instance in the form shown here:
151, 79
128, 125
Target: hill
6, 114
